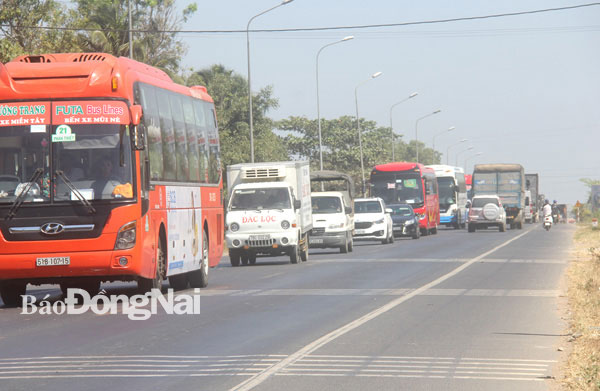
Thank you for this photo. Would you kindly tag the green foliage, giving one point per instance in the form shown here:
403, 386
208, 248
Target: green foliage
18, 38
341, 150
230, 93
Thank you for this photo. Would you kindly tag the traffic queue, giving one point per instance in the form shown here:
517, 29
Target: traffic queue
281, 208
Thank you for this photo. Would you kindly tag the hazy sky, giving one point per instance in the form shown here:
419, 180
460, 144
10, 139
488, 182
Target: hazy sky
522, 89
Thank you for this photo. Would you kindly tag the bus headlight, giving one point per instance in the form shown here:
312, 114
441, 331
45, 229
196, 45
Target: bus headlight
126, 236
234, 227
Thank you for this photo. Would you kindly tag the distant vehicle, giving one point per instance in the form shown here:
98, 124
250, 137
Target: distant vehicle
404, 220
535, 201
528, 209
486, 211
452, 190
469, 183
548, 222
372, 220
506, 181
269, 211
409, 183
332, 211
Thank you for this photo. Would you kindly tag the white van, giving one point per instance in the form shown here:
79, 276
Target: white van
333, 221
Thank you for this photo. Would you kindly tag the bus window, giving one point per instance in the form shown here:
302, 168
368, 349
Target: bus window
214, 165
168, 136
202, 129
183, 168
192, 139
151, 123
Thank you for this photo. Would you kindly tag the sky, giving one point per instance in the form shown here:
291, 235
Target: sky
521, 89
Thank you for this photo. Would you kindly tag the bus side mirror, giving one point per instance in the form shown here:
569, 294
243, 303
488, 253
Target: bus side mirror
137, 133
136, 114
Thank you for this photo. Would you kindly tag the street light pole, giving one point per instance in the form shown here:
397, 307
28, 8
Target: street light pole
318, 109
451, 128
464, 140
471, 157
417, 130
284, 2
391, 122
461, 152
130, 30
362, 167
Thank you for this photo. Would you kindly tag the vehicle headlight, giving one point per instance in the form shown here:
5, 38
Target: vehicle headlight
340, 225
234, 227
380, 221
409, 222
126, 236
285, 224
421, 216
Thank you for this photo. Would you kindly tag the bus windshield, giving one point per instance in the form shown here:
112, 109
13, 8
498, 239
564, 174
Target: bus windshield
88, 156
447, 191
399, 189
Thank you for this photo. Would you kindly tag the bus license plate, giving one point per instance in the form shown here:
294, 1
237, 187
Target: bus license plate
259, 237
53, 261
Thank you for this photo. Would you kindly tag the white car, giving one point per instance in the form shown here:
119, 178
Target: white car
372, 220
486, 211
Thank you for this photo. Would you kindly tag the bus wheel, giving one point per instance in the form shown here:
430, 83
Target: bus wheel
11, 293
147, 284
199, 278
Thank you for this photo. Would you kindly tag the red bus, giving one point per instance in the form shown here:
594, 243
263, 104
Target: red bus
409, 183
108, 171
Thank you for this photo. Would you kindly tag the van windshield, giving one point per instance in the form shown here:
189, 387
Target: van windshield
326, 205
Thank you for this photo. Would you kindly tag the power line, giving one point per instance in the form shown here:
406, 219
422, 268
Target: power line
305, 29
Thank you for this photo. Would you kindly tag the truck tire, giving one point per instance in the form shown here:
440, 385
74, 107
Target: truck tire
295, 254
344, 247
11, 292
234, 258
178, 282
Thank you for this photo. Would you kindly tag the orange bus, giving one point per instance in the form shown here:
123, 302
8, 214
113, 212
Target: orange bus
109, 171
409, 183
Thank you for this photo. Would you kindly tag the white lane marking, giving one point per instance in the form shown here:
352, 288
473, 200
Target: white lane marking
445, 260
416, 376
391, 292
318, 343
148, 357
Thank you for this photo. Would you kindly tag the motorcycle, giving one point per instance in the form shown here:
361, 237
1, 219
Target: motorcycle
548, 222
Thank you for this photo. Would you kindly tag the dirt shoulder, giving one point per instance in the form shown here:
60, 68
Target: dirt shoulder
581, 369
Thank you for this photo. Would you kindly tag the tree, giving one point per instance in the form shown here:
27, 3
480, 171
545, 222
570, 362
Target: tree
230, 93
341, 151
157, 44
22, 32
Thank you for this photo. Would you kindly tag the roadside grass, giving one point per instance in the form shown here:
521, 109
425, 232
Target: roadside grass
582, 369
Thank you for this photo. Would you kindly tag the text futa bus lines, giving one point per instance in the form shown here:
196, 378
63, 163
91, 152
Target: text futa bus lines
409, 183
108, 171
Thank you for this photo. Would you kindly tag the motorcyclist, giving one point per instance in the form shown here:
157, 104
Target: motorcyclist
547, 209
555, 212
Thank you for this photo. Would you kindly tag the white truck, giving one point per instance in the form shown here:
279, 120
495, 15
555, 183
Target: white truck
268, 211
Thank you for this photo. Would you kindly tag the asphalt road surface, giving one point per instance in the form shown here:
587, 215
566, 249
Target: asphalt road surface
452, 311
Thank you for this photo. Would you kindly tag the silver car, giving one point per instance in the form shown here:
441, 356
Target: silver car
486, 211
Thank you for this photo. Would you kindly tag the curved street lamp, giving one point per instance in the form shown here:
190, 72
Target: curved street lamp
392, 126
362, 166
417, 130
451, 128
284, 2
318, 109
464, 140
461, 152
471, 157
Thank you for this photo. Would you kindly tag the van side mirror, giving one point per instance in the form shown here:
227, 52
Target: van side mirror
297, 204
348, 210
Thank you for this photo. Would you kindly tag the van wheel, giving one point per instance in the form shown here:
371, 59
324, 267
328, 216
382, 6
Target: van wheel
147, 284
199, 278
351, 244
391, 240
344, 247
11, 292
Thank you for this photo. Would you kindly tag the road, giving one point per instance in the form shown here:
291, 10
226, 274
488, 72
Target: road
453, 311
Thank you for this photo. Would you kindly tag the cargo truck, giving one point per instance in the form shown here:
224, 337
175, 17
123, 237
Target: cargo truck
508, 182
268, 211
